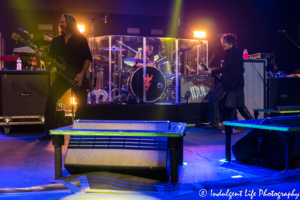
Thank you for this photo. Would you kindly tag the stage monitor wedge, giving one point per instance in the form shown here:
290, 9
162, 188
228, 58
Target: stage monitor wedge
265, 148
140, 156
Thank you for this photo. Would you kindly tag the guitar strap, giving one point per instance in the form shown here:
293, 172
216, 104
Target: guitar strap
58, 45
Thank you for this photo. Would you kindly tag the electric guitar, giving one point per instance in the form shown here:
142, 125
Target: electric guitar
68, 72
216, 77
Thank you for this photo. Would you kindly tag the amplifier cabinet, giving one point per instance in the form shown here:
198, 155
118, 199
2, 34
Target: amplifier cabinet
283, 92
195, 89
23, 93
255, 85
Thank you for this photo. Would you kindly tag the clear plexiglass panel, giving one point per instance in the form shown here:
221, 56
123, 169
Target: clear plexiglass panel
132, 68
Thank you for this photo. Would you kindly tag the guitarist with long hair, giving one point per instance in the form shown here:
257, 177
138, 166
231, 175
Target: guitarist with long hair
70, 48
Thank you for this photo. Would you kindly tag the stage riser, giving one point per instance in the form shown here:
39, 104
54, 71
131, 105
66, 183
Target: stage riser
188, 113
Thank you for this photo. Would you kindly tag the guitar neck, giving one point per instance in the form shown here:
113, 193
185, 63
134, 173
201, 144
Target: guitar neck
45, 55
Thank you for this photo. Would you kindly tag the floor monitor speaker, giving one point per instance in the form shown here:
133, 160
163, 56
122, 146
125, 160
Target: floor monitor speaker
139, 156
265, 148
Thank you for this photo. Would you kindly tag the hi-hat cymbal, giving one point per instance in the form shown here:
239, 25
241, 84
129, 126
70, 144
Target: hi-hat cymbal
135, 60
113, 49
181, 49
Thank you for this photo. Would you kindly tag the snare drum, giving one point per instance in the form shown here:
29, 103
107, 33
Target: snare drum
155, 83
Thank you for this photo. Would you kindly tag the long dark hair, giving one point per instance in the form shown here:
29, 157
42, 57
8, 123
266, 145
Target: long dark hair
72, 24
229, 38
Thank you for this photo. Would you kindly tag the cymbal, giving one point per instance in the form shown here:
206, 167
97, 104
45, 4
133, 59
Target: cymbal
181, 49
113, 49
135, 60
102, 58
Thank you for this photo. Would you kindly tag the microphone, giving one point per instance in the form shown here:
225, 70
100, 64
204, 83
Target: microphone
179, 22
106, 17
282, 31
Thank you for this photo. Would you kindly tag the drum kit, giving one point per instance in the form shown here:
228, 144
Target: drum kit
161, 78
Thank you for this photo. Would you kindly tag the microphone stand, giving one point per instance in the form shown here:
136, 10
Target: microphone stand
298, 51
179, 23
92, 47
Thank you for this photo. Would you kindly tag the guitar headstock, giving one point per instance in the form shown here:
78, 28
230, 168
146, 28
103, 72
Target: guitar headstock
15, 36
24, 31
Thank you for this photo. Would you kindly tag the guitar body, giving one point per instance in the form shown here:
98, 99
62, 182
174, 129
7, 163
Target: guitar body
67, 71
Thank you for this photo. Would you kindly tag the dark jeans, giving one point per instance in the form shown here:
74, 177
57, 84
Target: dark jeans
217, 96
57, 90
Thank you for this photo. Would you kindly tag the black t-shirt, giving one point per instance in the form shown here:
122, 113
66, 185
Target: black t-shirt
74, 52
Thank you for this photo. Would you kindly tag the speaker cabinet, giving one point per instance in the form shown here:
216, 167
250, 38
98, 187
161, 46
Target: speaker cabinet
195, 89
283, 92
139, 156
265, 148
255, 85
24, 93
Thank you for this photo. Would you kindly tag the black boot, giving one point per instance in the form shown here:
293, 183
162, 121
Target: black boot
211, 126
245, 113
45, 136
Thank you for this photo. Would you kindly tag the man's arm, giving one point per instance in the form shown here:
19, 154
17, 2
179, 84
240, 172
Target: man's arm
227, 63
81, 75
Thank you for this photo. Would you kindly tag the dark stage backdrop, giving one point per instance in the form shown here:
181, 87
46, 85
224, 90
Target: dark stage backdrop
255, 22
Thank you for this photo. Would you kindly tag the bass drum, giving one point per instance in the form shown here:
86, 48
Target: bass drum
155, 83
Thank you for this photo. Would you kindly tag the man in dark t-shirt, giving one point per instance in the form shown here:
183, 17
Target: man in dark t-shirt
72, 47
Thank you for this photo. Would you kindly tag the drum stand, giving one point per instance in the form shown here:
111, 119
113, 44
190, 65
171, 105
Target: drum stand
117, 74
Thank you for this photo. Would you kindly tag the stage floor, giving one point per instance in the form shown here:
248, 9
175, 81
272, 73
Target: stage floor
27, 163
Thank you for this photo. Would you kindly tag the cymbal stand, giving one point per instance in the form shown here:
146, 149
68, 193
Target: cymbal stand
121, 43
115, 74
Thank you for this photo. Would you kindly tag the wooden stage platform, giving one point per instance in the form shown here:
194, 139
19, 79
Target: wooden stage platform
188, 113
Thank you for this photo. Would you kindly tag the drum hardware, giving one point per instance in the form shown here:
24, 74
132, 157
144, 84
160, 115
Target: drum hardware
181, 49
191, 70
113, 48
102, 58
116, 73
126, 46
99, 77
101, 96
136, 60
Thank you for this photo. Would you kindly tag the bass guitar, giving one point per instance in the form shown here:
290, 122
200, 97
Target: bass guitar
67, 71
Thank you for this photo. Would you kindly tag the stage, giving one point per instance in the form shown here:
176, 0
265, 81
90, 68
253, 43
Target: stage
28, 172
189, 113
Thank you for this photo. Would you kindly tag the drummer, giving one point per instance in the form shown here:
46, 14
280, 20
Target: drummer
149, 56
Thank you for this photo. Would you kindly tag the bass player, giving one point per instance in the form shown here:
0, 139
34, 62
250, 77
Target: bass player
72, 46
